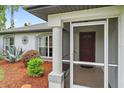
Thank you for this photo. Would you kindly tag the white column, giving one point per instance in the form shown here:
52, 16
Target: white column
56, 77
106, 55
71, 54
57, 50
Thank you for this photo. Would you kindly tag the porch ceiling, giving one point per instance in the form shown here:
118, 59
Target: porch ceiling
42, 11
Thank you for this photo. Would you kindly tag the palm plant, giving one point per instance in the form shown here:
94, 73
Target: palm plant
3, 8
2, 17
13, 9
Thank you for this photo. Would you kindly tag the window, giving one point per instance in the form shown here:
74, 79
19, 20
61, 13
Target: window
11, 41
45, 46
50, 46
8, 41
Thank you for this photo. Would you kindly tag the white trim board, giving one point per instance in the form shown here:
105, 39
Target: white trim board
78, 86
90, 63
82, 15
88, 23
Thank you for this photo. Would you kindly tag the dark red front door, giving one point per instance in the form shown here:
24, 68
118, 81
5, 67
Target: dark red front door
87, 46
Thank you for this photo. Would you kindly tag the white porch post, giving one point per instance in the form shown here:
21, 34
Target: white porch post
71, 54
56, 77
106, 55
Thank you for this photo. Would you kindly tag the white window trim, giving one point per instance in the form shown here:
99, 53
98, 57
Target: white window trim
5, 38
47, 35
48, 47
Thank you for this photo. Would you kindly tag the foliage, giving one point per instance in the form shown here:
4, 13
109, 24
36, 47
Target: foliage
2, 17
13, 8
29, 55
35, 67
13, 54
27, 24
1, 57
3, 8
1, 74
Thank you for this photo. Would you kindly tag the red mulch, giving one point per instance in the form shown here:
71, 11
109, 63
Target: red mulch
16, 76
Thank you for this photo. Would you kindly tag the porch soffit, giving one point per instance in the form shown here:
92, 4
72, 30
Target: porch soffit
42, 11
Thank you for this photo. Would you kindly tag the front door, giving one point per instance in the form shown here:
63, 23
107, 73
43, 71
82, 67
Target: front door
87, 46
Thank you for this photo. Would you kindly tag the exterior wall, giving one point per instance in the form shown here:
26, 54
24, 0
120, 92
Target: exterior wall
31, 41
121, 50
18, 41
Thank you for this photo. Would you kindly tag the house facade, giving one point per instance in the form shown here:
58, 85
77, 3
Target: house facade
84, 42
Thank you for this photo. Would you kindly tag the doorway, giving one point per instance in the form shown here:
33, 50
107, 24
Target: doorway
87, 46
81, 77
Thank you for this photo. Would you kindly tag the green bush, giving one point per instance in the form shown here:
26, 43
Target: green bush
29, 55
35, 67
1, 56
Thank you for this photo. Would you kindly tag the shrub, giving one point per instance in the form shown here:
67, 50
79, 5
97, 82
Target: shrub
13, 54
35, 67
29, 55
1, 57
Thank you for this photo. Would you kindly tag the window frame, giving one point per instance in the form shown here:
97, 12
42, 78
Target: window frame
48, 44
6, 41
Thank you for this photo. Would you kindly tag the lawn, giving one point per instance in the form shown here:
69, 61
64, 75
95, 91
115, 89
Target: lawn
1, 74
15, 75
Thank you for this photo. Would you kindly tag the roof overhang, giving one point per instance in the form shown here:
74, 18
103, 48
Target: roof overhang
42, 11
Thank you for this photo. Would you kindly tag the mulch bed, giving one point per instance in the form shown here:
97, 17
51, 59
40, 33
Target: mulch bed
16, 75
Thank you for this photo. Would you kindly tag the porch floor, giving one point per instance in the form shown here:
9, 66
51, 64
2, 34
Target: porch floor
90, 77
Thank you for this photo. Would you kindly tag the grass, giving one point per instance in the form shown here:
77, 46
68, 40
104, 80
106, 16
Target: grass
1, 74
1, 57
